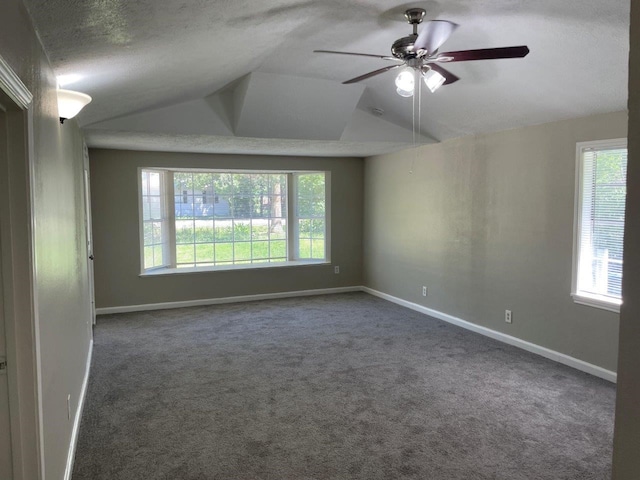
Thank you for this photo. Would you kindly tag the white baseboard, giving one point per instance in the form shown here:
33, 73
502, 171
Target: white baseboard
516, 342
78, 417
217, 301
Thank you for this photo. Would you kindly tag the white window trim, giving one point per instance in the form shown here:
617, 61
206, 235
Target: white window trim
583, 298
167, 217
154, 272
170, 268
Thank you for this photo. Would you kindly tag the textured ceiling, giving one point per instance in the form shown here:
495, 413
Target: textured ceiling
177, 70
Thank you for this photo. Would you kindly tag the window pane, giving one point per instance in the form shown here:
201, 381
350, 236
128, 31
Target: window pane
259, 229
260, 250
185, 254
304, 227
260, 184
242, 184
157, 255
148, 234
145, 210
317, 249
224, 252
304, 247
204, 231
241, 206
242, 251
145, 183
317, 228
278, 228
148, 257
154, 183
185, 231
241, 230
305, 207
278, 248
155, 211
204, 252
223, 231
156, 232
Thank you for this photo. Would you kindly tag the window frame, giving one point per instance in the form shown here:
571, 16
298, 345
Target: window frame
581, 297
170, 267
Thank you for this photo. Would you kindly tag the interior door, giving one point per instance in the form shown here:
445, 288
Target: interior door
87, 203
6, 467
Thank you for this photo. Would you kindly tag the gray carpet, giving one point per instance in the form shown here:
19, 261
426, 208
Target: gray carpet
331, 387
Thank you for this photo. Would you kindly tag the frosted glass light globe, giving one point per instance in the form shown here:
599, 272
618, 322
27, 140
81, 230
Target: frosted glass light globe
405, 81
70, 103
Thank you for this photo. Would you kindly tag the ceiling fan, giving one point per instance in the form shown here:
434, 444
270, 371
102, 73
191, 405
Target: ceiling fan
418, 55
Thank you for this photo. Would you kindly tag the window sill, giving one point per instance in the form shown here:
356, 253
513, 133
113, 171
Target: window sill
597, 301
227, 268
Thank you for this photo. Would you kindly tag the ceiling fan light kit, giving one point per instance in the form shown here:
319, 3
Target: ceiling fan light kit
418, 54
405, 82
433, 80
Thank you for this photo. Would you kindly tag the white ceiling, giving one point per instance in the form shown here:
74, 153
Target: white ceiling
235, 76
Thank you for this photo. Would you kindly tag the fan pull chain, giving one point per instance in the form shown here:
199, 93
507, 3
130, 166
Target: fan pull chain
419, 105
413, 115
415, 118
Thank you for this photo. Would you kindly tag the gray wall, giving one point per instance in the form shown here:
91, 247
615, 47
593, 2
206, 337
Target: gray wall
486, 222
114, 197
61, 260
626, 445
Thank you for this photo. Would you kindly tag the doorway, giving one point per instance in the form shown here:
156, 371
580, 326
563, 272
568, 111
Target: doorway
20, 406
6, 462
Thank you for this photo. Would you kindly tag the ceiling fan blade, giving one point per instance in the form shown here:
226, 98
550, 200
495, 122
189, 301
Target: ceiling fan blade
449, 77
482, 54
433, 35
381, 57
372, 74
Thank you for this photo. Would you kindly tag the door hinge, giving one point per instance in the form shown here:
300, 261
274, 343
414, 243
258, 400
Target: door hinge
3, 365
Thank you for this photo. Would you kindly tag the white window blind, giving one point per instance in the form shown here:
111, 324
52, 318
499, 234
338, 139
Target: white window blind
600, 220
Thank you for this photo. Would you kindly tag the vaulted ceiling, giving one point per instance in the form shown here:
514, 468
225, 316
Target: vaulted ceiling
236, 76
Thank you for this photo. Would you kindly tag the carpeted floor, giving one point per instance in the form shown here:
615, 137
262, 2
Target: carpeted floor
331, 387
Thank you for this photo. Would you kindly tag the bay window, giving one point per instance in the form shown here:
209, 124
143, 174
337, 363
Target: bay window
211, 219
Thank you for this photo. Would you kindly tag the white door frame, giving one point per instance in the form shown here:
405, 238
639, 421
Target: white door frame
88, 226
19, 279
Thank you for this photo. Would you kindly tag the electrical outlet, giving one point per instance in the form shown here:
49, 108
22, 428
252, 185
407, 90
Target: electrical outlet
69, 407
424, 291
507, 316
336, 269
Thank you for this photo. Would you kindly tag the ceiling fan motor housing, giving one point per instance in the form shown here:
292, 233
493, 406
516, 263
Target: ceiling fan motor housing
403, 47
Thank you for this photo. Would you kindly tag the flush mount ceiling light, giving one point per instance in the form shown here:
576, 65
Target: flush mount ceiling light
70, 103
420, 53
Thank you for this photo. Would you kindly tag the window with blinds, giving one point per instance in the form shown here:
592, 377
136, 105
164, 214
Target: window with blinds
599, 230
